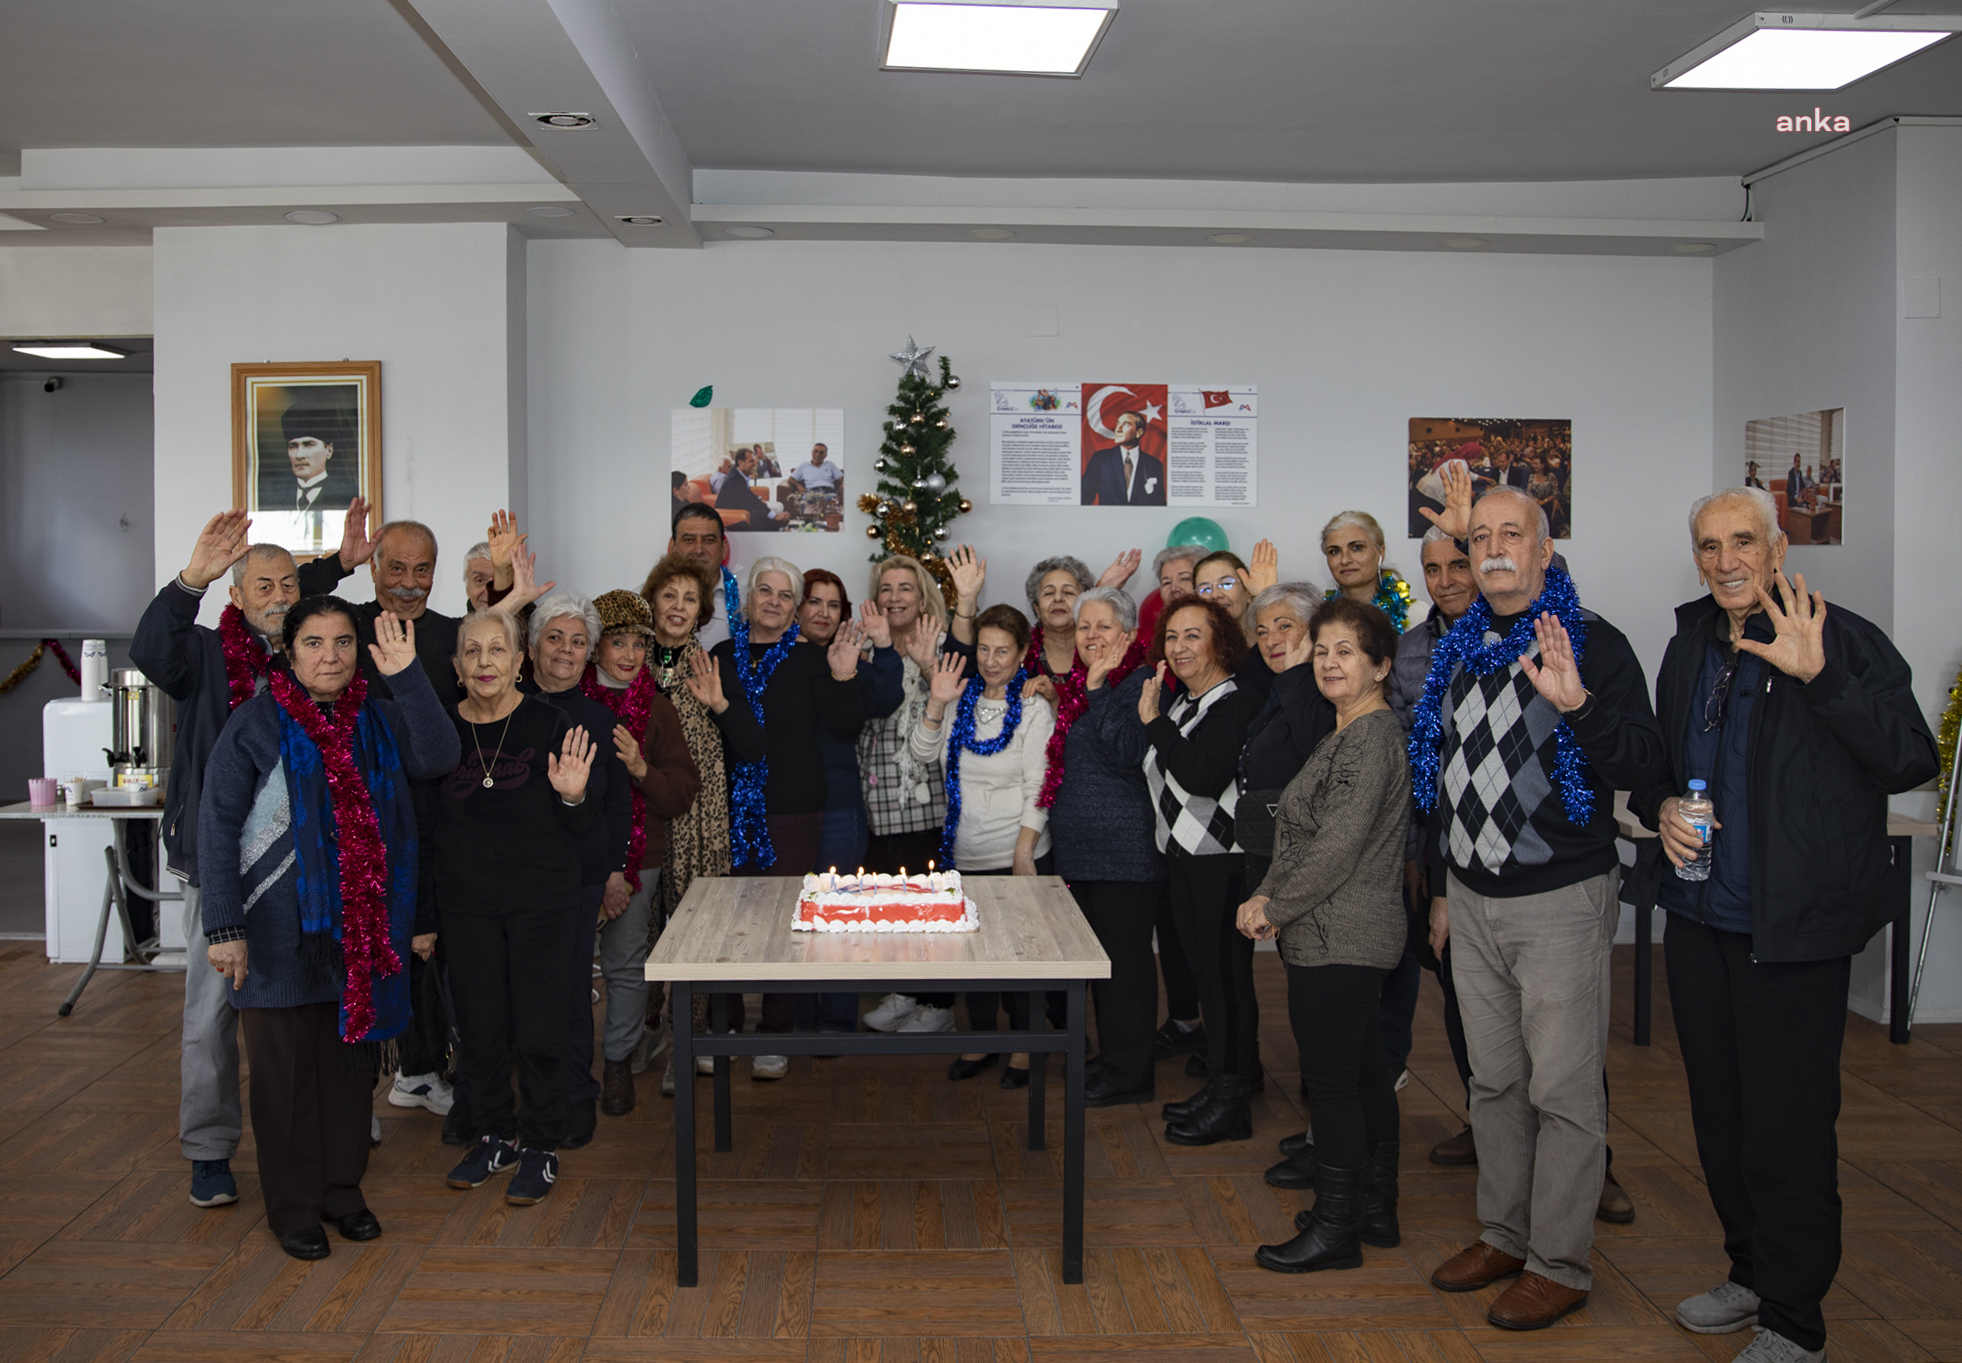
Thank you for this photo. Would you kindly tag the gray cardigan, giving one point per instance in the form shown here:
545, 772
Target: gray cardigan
1336, 883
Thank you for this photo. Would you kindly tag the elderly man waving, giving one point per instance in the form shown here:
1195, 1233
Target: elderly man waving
1535, 711
1801, 723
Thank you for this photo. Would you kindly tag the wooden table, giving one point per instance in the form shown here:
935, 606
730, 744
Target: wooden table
1900, 831
734, 933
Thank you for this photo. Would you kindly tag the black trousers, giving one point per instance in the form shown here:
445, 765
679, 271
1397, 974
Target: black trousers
1206, 894
508, 981
795, 838
1761, 1046
1338, 1026
1122, 914
581, 1087
1454, 1022
311, 1099
1175, 965
887, 852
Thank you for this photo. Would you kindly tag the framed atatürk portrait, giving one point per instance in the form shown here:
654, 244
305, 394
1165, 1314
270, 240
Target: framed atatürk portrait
306, 440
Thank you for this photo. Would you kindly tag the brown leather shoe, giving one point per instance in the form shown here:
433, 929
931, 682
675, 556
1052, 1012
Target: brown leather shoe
1478, 1265
1615, 1205
1533, 1303
1456, 1152
617, 1088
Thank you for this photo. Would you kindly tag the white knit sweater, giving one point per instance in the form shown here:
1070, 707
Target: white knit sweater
998, 793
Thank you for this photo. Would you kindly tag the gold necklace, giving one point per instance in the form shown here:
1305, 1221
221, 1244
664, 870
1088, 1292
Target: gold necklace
496, 753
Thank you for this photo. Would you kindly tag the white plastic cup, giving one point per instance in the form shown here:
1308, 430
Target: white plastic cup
95, 668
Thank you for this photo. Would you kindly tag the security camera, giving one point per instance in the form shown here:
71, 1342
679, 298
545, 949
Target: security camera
52, 385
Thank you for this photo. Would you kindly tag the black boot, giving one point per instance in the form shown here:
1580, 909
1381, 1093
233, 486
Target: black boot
1379, 1213
1331, 1239
1185, 1107
1226, 1116
1296, 1171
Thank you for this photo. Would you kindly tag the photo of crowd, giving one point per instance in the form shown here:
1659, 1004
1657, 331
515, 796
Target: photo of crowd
1800, 461
1535, 456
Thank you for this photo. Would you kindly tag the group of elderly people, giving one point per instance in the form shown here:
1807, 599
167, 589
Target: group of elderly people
1367, 784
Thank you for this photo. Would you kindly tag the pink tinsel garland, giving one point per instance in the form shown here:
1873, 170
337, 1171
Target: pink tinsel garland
365, 947
631, 706
1072, 699
245, 657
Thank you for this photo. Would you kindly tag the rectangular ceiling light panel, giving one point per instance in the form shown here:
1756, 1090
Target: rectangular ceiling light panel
1778, 50
1052, 38
70, 350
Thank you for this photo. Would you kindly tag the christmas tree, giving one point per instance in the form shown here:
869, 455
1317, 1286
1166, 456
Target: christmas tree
917, 498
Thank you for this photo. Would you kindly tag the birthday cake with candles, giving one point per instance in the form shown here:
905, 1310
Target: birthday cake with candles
875, 902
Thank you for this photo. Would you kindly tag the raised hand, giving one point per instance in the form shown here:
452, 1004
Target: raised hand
1799, 650
1121, 569
842, 652
1148, 698
872, 624
1106, 658
1557, 676
628, 748
704, 681
571, 765
923, 644
946, 682
1456, 518
524, 584
395, 643
355, 547
221, 543
1300, 649
969, 573
504, 540
1265, 569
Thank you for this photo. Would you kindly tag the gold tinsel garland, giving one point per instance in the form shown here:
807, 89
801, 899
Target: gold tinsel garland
896, 514
19, 674
1945, 747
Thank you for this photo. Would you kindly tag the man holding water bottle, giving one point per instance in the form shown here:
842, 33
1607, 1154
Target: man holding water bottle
1798, 724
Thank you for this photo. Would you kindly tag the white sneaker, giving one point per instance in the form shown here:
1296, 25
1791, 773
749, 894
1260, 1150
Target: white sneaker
1402, 1079
1724, 1308
422, 1090
892, 1010
928, 1019
1772, 1347
374, 1131
769, 1066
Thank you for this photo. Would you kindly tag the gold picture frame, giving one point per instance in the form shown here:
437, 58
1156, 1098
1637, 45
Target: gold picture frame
306, 439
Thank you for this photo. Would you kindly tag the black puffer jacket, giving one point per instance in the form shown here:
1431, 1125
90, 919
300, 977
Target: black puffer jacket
1823, 757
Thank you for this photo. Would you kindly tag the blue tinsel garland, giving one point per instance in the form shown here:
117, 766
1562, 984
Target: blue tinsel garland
961, 739
1465, 645
1392, 598
749, 826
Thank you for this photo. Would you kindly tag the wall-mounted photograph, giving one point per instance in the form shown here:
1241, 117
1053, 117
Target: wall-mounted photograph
1800, 461
306, 440
1535, 455
761, 468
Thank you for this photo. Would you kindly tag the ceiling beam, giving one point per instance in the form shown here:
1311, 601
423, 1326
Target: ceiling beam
563, 56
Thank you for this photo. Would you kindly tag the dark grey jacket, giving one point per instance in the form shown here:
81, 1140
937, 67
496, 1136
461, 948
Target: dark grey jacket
1101, 826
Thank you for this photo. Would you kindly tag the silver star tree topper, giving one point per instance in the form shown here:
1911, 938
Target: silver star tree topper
914, 358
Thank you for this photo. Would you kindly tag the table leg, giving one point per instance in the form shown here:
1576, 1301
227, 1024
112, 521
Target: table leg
1644, 967
685, 1234
101, 934
1038, 1082
1899, 934
1073, 1141
719, 1026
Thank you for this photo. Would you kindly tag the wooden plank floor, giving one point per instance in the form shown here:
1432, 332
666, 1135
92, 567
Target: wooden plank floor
872, 1212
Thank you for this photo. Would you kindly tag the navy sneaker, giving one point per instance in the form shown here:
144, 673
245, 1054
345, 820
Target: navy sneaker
488, 1156
538, 1170
212, 1184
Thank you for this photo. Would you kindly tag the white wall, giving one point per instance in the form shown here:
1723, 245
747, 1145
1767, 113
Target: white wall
1345, 346
86, 291
430, 302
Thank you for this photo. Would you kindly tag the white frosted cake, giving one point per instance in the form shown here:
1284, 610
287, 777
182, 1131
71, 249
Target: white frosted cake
932, 902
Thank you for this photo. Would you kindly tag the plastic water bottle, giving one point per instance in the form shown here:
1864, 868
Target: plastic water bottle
1697, 811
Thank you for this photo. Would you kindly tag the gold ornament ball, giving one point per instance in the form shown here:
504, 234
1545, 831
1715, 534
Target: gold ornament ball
966, 506
941, 424
919, 418
903, 449
910, 508
871, 532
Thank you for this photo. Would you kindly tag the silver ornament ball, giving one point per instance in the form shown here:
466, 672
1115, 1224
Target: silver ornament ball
934, 483
953, 381
941, 533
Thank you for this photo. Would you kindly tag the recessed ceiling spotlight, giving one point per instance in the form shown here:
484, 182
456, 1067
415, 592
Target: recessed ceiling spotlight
1016, 38
70, 350
312, 217
1775, 50
991, 234
638, 219
550, 211
77, 219
748, 233
568, 121
1463, 243
1229, 238
1692, 248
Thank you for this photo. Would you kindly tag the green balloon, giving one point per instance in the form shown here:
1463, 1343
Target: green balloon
1198, 530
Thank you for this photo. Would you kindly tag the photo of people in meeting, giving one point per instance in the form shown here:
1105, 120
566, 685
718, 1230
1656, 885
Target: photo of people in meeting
1124, 445
1800, 461
1535, 456
762, 469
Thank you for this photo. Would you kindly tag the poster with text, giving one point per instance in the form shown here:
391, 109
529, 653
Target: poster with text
761, 468
1123, 444
1535, 455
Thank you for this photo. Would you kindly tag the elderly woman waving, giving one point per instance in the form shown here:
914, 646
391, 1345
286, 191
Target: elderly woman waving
308, 851
508, 830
